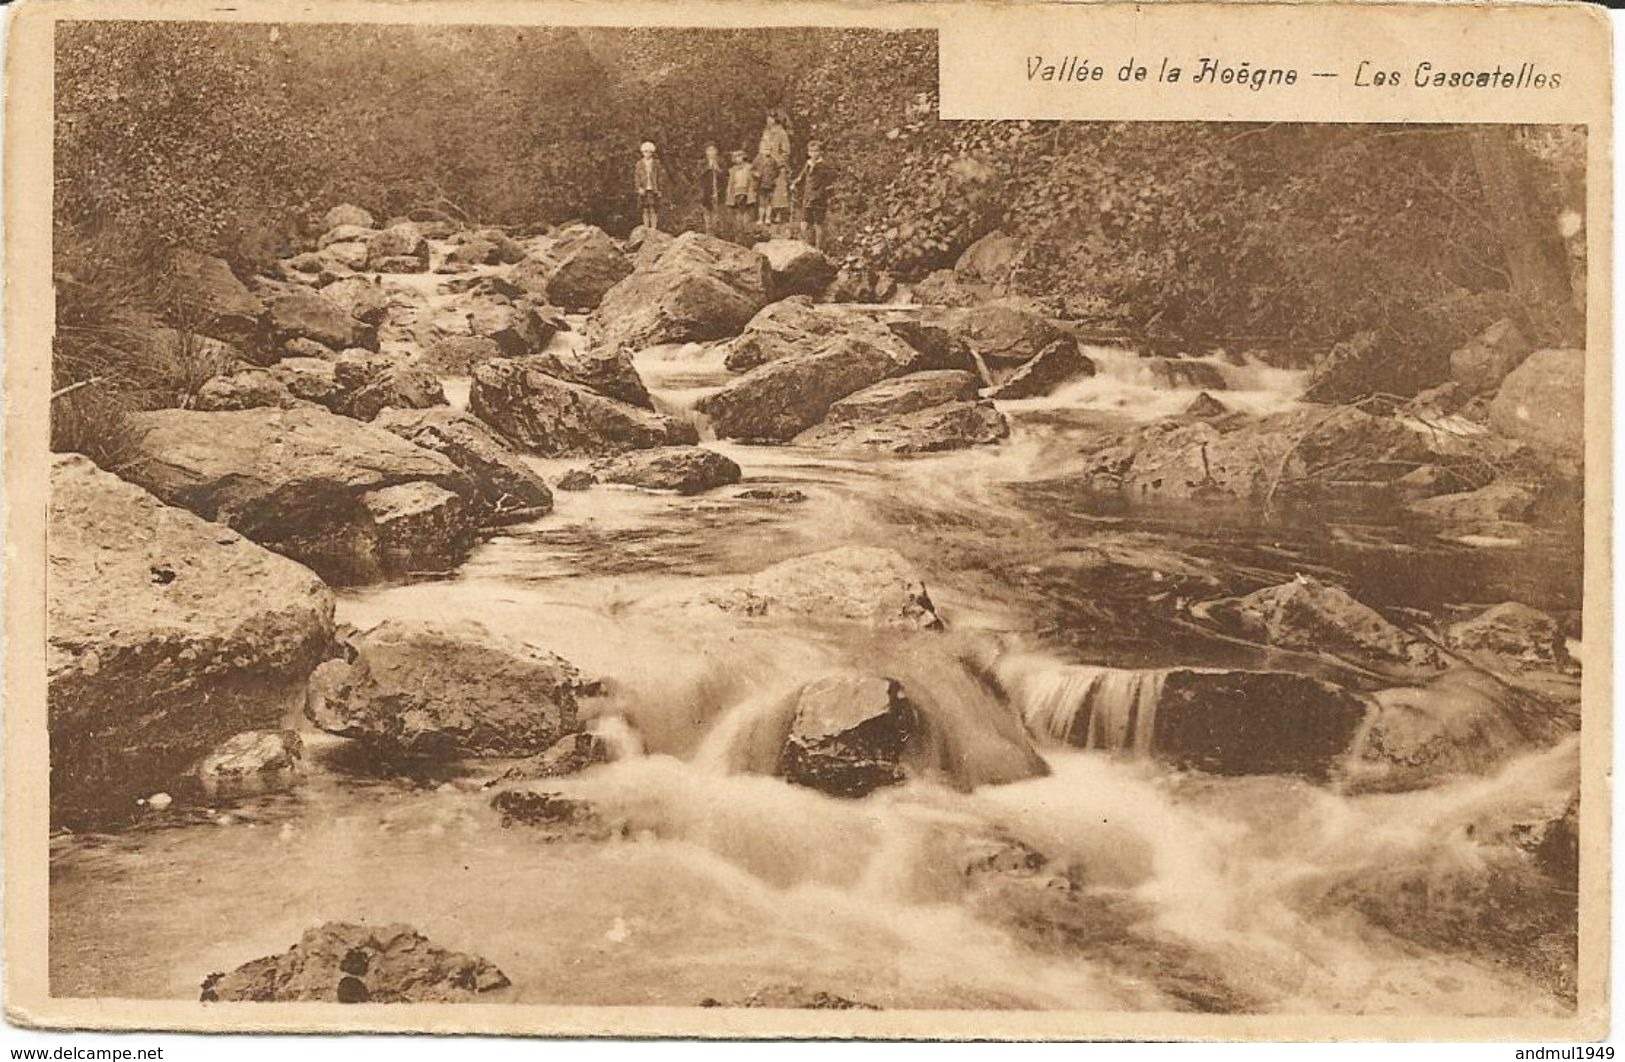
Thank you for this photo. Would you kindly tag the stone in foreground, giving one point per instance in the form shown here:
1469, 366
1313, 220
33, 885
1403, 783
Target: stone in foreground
849, 735
344, 962
432, 690
168, 634
684, 469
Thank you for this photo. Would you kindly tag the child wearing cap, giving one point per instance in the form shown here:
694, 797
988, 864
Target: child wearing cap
649, 178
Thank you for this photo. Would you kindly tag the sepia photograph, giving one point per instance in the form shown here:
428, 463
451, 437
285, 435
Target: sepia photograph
660, 517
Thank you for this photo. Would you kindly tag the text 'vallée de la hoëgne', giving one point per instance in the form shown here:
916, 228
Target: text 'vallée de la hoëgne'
1367, 73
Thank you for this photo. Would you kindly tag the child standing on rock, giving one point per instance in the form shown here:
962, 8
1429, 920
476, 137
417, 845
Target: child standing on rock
741, 191
649, 178
713, 188
814, 181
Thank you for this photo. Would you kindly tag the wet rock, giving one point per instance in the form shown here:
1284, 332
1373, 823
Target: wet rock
244, 389
349, 963
308, 379
797, 325
290, 479
561, 818
856, 584
364, 299
506, 488
684, 469
1298, 453
939, 346
849, 735
571, 754
518, 326
1367, 365
1204, 406
419, 525
576, 479
1255, 722
609, 372
776, 401
545, 415
905, 394
991, 259
1005, 333
1180, 373
347, 233
579, 266
299, 313
1484, 362
1051, 367
460, 355
699, 288
253, 752
400, 248
790, 997
168, 634
779, 495
795, 268
435, 690
1311, 616
369, 383
214, 302
945, 288
951, 426
1542, 403
1519, 635
347, 214
1463, 724
1502, 500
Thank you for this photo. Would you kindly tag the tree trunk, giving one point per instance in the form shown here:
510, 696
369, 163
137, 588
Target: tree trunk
1537, 263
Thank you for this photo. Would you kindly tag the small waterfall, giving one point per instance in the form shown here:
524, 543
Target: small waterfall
1087, 706
618, 736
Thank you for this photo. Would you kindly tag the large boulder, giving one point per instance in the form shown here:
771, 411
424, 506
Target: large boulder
608, 371
244, 389
167, 635
1367, 364
1504, 500
211, 301
299, 313
949, 426
1514, 634
905, 394
1294, 453
849, 735
411, 690
368, 383
581, 264
1051, 367
365, 299
290, 479
991, 259
684, 469
507, 489
1542, 402
939, 344
398, 249
1309, 615
797, 325
308, 379
418, 525
1005, 333
347, 214
1255, 722
348, 233
1463, 724
547, 415
795, 268
343, 962
699, 288
775, 402
1483, 363
852, 584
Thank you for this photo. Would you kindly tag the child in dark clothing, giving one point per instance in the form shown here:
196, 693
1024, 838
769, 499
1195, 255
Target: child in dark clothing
768, 169
713, 188
815, 181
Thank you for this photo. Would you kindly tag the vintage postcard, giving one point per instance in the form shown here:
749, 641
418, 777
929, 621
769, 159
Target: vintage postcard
823, 519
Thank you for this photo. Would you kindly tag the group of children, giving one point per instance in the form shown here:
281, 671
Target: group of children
745, 192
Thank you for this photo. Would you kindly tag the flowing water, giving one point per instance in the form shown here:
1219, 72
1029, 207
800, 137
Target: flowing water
1187, 891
